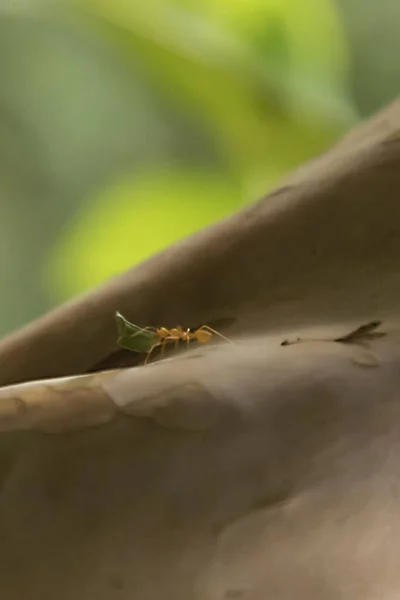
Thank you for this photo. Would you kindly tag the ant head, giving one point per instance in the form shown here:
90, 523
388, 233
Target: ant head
203, 336
163, 332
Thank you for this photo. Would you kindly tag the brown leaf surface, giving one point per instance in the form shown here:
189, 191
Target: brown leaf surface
322, 249
244, 471
248, 471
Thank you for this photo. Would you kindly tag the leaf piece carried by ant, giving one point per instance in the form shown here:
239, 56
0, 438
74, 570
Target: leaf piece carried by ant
132, 337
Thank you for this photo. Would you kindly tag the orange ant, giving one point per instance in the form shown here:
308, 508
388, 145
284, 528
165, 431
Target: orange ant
202, 335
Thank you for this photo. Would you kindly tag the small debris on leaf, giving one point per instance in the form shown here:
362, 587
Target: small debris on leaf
362, 333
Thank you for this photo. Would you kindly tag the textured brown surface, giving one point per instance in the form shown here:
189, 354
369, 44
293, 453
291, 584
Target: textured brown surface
321, 249
251, 471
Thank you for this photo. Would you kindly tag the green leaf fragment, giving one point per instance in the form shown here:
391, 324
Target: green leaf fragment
134, 338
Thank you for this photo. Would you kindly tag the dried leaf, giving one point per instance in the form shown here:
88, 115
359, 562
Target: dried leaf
364, 332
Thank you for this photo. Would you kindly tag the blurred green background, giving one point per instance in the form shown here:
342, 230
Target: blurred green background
125, 126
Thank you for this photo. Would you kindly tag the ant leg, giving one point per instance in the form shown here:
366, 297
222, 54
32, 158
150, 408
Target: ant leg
163, 346
173, 338
167, 340
154, 346
207, 328
175, 335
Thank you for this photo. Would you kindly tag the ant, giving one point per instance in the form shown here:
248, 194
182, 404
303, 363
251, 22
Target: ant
202, 335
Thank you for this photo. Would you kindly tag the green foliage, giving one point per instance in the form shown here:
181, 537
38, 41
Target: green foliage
257, 74
132, 220
264, 82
